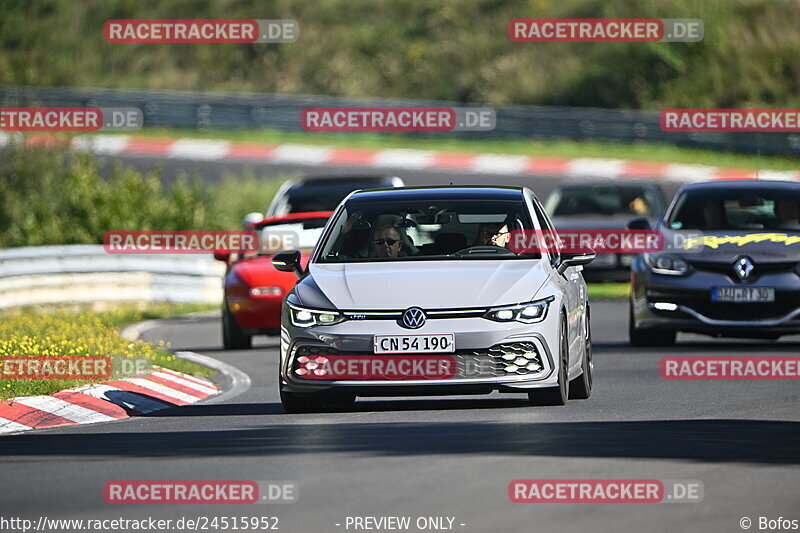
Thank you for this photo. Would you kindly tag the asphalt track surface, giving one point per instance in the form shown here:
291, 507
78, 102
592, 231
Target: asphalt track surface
442, 456
448, 457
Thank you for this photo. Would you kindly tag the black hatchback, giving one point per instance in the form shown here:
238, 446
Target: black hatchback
733, 269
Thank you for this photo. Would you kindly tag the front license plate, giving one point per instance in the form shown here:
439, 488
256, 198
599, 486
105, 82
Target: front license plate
444, 343
742, 294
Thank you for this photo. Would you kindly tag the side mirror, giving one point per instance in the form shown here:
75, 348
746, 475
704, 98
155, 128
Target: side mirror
568, 259
639, 223
222, 256
288, 261
251, 218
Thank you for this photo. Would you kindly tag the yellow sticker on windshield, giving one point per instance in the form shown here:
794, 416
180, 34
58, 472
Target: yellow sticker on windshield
741, 240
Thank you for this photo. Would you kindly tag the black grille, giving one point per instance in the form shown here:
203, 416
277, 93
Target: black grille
759, 269
499, 360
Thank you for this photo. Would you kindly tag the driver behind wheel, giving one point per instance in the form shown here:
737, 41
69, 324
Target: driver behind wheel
385, 242
496, 234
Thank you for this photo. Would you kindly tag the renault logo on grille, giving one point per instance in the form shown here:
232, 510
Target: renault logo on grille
413, 318
743, 267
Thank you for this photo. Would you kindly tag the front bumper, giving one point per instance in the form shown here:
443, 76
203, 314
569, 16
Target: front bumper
480, 349
689, 307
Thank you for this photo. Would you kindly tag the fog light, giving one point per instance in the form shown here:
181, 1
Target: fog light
520, 361
508, 356
511, 368
534, 366
665, 306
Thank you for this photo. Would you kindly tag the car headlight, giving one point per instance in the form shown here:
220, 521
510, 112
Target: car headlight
304, 318
266, 291
667, 264
527, 313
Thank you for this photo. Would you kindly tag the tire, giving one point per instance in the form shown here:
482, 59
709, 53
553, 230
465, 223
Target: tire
556, 395
580, 388
648, 337
234, 337
294, 403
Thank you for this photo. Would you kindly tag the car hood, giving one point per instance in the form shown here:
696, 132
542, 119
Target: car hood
762, 246
427, 284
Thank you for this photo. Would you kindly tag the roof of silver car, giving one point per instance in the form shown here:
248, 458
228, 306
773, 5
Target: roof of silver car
478, 192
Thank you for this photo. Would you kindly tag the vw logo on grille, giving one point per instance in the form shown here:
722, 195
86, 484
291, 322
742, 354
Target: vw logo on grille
743, 267
413, 318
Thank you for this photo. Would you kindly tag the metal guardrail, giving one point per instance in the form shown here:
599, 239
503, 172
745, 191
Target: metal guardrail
40, 275
203, 110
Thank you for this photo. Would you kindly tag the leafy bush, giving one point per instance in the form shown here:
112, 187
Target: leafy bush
57, 196
441, 49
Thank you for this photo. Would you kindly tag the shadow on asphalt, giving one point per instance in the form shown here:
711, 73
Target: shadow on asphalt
745, 441
711, 347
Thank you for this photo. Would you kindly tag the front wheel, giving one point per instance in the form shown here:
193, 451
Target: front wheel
556, 395
233, 336
648, 337
581, 387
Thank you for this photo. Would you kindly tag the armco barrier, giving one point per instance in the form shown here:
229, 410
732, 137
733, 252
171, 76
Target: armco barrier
203, 111
87, 273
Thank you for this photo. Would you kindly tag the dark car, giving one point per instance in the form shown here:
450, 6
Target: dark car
323, 193
604, 205
737, 275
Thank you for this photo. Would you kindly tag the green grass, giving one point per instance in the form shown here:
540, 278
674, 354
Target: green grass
70, 331
609, 290
569, 149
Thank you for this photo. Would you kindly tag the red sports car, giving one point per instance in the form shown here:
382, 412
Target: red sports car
254, 289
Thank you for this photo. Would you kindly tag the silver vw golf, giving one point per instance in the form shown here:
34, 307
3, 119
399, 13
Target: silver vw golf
419, 290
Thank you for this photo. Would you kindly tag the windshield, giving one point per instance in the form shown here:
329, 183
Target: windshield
308, 198
742, 209
607, 200
424, 230
290, 235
